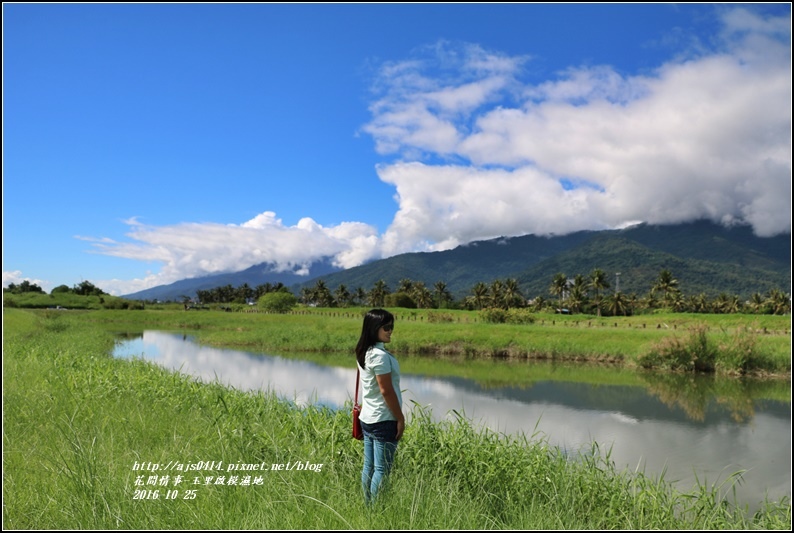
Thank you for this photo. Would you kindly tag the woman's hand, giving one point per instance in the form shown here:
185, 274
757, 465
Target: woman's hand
400, 428
390, 397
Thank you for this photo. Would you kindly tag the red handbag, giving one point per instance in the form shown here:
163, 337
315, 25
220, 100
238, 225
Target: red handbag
358, 433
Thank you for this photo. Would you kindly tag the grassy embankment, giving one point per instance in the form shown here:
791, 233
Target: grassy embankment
738, 343
76, 421
490, 351
66, 300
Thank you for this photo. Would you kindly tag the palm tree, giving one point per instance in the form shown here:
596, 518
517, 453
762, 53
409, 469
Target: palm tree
666, 284
577, 293
617, 304
559, 286
512, 293
633, 301
538, 303
342, 295
734, 305
480, 294
244, 293
779, 302
443, 296
650, 301
405, 285
497, 294
377, 296
678, 302
598, 282
422, 295
307, 295
756, 302
701, 303
225, 293
577, 297
261, 290
322, 294
579, 282
360, 296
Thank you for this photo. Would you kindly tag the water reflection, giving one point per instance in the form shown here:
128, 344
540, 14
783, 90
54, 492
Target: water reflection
675, 425
694, 393
300, 381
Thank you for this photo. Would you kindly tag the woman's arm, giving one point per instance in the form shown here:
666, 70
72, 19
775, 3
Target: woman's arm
390, 397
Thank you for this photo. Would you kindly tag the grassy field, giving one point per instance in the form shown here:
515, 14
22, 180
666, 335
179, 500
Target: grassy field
765, 340
66, 300
83, 431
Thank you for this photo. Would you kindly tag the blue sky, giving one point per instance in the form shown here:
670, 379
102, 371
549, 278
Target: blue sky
148, 143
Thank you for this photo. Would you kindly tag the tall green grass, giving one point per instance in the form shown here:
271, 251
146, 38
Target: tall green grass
624, 340
67, 300
735, 353
76, 421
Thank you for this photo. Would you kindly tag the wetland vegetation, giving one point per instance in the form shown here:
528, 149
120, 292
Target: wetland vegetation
76, 421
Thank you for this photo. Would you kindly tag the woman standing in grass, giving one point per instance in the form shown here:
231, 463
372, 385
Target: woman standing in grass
381, 404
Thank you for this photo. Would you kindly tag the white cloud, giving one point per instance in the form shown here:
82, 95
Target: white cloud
16, 277
739, 21
420, 111
451, 205
199, 249
479, 154
709, 137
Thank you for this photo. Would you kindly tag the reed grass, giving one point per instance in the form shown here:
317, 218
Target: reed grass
76, 422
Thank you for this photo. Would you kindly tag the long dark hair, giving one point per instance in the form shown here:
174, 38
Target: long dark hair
373, 321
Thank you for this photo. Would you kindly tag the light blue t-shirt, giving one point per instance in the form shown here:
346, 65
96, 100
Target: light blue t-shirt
373, 406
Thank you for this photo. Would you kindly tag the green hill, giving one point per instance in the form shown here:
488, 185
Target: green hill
639, 268
704, 257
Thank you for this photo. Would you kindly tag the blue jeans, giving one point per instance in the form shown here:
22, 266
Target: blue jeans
380, 447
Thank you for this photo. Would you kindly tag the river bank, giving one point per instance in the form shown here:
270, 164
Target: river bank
738, 344
77, 422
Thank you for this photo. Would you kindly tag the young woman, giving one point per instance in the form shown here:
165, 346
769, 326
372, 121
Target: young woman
381, 404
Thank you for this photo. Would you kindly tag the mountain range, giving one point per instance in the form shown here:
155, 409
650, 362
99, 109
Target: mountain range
703, 256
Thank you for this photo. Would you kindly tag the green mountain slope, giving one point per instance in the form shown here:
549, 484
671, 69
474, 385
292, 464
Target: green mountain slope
702, 256
460, 268
639, 268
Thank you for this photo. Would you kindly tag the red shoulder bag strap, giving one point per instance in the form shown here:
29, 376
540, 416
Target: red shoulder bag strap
357, 380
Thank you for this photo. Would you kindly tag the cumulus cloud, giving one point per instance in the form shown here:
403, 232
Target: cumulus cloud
424, 112
446, 206
16, 277
478, 153
191, 250
706, 137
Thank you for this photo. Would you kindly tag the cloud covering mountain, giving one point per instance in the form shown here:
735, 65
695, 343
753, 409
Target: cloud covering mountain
477, 148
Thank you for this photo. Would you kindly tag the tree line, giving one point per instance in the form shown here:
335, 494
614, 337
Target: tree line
588, 294
84, 288
241, 295
585, 295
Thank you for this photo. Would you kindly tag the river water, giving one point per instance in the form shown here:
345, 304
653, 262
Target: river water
645, 427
